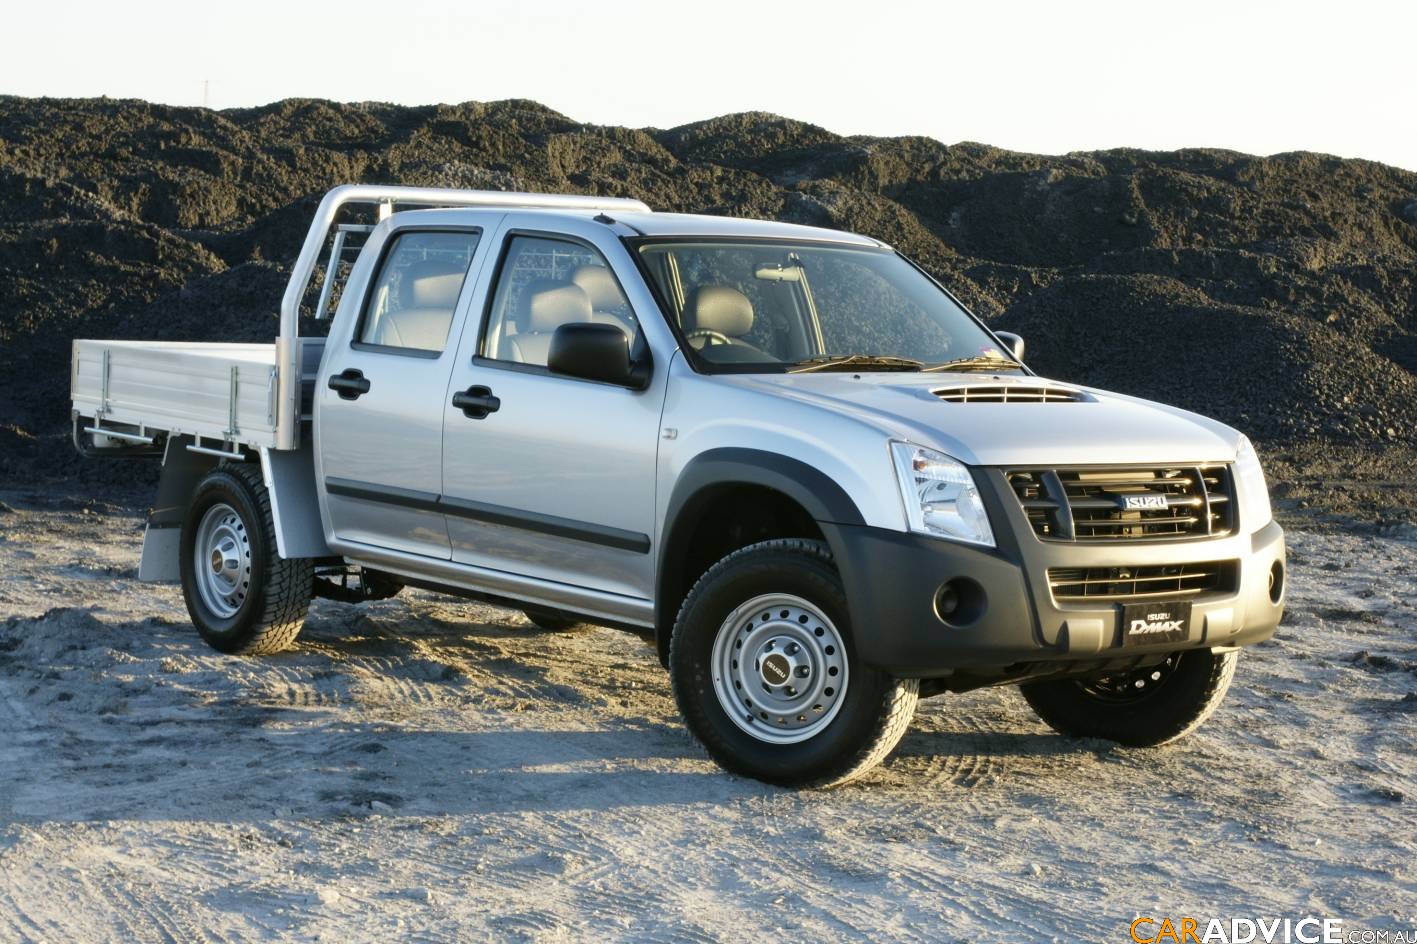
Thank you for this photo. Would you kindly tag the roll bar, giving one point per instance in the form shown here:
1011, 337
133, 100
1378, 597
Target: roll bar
385, 198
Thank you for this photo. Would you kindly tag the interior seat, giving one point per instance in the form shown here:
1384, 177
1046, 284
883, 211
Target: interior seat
428, 292
544, 308
727, 313
607, 303
721, 309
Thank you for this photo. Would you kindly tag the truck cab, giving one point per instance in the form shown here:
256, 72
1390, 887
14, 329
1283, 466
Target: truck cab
786, 455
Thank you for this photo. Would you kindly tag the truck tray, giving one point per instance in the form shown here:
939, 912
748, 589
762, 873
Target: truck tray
226, 393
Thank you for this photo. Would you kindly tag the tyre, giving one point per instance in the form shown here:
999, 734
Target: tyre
553, 621
765, 671
1142, 707
243, 597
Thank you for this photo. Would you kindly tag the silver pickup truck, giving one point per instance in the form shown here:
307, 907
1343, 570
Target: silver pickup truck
787, 455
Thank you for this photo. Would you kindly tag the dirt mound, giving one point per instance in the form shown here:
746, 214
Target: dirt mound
1278, 294
1276, 375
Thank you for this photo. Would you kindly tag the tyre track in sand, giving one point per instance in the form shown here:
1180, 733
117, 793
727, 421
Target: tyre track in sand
17, 748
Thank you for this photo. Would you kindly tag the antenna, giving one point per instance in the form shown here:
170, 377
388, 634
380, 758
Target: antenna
206, 92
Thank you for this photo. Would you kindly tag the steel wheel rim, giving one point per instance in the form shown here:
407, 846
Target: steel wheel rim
779, 668
1134, 685
221, 561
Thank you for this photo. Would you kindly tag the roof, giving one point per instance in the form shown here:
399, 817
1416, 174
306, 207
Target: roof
681, 224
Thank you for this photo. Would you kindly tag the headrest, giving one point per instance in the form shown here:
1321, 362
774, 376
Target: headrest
521, 314
430, 283
550, 308
598, 283
719, 308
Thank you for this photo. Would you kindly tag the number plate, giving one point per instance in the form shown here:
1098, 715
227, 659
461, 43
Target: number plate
1145, 624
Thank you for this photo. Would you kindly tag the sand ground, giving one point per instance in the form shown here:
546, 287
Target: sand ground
428, 769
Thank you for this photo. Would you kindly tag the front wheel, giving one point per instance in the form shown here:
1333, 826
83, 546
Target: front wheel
1143, 707
243, 597
766, 675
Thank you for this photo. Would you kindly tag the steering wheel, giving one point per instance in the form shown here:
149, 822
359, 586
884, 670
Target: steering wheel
714, 337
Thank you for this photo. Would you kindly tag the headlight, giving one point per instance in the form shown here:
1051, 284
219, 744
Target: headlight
940, 495
1255, 512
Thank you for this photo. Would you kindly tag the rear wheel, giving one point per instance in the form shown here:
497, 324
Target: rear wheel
765, 671
1143, 707
243, 597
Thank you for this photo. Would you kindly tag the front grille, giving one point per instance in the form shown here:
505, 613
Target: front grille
1127, 504
1141, 583
1008, 393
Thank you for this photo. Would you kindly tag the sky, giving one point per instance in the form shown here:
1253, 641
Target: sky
1336, 77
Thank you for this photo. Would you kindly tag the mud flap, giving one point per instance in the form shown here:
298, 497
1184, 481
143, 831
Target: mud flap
161, 545
290, 480
182, 469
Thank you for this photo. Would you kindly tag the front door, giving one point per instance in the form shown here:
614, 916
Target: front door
382, 388
558, 481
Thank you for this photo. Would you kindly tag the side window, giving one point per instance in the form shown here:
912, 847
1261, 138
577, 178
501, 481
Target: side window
410, 305
543, 284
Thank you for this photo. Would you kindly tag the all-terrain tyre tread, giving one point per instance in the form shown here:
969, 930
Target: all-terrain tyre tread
898, 710
288, 583
1057, 714
1221, 675
898, 700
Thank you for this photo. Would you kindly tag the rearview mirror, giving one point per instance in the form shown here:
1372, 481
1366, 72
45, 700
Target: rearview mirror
595, 352
1014, 342
778, 273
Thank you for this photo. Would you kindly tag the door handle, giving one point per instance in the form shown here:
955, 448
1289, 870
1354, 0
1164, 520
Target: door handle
349, 384
476, 402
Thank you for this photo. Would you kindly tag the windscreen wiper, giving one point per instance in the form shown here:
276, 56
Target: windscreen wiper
850, 361
977, 362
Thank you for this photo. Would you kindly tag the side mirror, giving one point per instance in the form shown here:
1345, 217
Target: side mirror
1014, 342
595, 352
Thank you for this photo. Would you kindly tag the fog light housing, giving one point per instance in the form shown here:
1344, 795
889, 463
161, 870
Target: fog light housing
960, 602
1276, 583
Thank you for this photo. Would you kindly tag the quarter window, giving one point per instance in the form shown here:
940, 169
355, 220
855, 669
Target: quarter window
412, 299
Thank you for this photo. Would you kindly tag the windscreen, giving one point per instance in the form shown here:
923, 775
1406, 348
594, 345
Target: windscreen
775, 305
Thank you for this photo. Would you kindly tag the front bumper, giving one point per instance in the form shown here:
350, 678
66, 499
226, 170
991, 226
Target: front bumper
892, 580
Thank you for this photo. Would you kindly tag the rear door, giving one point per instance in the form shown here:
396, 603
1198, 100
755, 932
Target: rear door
558, 482
383, 386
